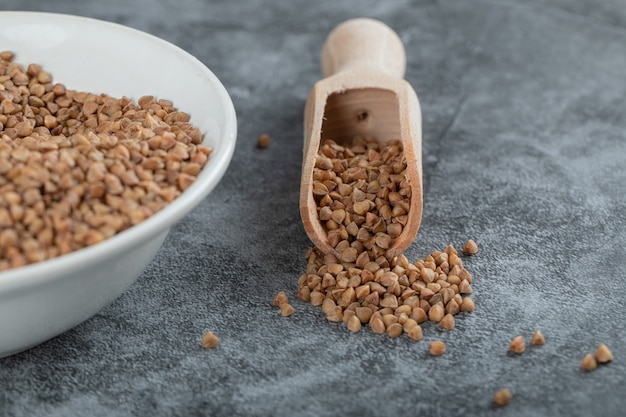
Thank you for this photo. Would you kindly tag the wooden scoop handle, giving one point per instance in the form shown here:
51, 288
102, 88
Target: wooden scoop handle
363, 43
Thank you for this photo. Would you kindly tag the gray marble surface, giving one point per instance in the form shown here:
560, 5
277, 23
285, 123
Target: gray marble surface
524, 151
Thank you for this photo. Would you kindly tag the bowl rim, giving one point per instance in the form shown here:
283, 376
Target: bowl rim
48, 270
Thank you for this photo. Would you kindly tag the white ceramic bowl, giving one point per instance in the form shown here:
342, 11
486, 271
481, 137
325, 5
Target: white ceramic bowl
40, 301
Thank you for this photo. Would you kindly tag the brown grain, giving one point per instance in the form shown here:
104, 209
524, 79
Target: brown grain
537, 339
335, 314
588, 363
603, 354
470, 247
502, 397
210, 340
286, 310
437, 348
264, 141
280, 299
517, 345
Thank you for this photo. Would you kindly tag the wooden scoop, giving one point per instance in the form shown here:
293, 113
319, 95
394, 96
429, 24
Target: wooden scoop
363, 93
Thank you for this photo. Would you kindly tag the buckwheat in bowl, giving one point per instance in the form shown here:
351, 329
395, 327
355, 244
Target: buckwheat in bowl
108, 136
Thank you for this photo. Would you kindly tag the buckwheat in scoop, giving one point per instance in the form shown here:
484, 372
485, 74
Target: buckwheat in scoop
363, 197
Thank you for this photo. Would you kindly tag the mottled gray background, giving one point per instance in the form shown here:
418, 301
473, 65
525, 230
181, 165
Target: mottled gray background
524, 151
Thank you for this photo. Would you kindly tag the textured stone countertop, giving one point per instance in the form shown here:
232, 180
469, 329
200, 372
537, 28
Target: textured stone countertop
524, 150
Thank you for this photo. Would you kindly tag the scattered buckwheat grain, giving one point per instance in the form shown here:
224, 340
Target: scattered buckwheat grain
437, 348
467, 305
447, 322
394, 330
436, 313
603, 354
415, 333
517, 345
286, 310
280, 299
589, 363
210, 340
503, 397
264, 141
470, 247
537, 339
354, 324
377, 325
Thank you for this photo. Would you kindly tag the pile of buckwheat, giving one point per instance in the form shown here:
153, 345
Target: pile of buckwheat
363, 196
76, 168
